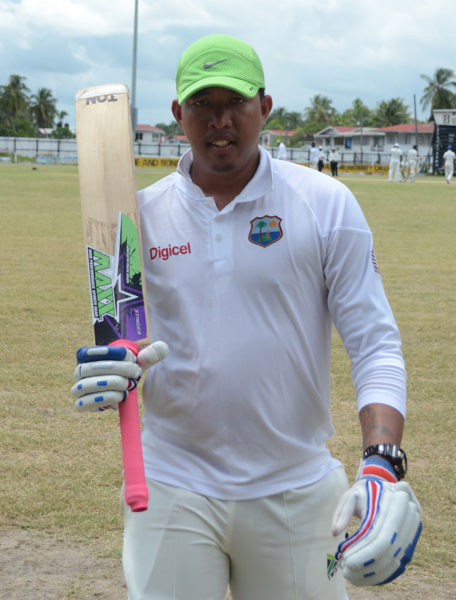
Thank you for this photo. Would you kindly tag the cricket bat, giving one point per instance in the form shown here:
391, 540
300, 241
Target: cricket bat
113, 248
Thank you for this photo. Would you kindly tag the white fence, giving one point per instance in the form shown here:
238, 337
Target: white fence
65, 151
53, 150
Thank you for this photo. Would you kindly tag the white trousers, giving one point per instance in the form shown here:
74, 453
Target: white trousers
191, 547
394, 171
449, 170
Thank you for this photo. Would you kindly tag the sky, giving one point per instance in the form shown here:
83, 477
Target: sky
343, 49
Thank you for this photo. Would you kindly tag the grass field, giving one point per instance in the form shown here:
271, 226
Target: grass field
61, 471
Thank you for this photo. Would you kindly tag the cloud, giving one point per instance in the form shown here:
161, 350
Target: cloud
343, 50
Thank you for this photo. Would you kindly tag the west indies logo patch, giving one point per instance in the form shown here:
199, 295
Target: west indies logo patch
266, 230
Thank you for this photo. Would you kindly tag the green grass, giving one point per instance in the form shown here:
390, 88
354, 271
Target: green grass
61, 471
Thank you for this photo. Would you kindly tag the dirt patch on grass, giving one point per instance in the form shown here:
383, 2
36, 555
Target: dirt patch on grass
37, 566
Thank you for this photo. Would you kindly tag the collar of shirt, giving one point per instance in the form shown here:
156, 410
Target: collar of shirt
260, 184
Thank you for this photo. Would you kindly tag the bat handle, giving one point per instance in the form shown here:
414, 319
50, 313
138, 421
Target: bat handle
135, 491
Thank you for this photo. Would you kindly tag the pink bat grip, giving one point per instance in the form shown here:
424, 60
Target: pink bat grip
136, 492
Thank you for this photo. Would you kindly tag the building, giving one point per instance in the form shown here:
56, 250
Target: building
444, 135
148, 134
376, 139
271, 137
408, 135
177, 139
335, 136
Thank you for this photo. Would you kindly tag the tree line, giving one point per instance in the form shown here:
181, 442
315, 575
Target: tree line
437, 94
22, 113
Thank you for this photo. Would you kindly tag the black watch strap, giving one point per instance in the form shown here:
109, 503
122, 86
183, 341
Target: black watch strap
393, 453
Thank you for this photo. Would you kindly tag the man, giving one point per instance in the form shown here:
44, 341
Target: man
412, 157
242, 488
404, 169
448, 163
334, 158
282, 153
394, 172
313, 156
321, 158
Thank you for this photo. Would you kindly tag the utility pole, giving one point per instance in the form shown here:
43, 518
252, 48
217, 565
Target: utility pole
416, 122
133, 109
360, 124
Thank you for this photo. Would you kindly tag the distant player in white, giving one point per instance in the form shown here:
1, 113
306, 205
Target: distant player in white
313, 156
448, 163
412, 157
404, 169
267, 256
394, 173
321, 158
282, 153
334, 158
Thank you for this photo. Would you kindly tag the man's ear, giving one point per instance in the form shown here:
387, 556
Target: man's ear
266, 107
176, 109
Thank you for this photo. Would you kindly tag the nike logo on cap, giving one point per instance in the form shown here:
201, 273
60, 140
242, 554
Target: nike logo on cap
210, 65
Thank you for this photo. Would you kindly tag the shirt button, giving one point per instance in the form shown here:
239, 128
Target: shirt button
218, 237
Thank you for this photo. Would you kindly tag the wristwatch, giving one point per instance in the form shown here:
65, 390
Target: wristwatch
393, 453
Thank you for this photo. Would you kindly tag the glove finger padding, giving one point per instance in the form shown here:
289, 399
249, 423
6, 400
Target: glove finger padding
129, 370
100, 401
380, 549
97, 385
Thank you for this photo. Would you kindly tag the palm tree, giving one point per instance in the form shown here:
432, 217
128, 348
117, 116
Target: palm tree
321, 110
260, 226
14, 100
358, 113
280, 118
438, 91
60, 116
391, 112
44, 108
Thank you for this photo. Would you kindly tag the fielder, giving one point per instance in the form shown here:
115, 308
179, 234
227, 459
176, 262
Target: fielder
394, 172
313, 156
282, 153
266, 256
404, 169
448, 163
321, 159
412, 158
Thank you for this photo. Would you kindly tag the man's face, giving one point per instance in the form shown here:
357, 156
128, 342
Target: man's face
223, 128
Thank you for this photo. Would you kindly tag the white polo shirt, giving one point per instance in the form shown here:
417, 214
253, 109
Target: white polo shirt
449, 157
245, 299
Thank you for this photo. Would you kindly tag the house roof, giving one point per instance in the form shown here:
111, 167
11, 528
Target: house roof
343, 128
334, 129
149, 128
409, 128
179, 138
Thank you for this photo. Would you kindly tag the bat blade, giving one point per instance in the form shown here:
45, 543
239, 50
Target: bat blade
110, 214
113, 247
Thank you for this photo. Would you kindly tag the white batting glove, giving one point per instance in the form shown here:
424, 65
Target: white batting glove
105, 374
390, 514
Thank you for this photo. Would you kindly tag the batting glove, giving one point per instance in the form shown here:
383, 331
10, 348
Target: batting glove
390, 515
105, 374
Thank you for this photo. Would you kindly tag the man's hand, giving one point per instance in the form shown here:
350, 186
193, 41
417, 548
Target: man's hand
105, 374
384, 543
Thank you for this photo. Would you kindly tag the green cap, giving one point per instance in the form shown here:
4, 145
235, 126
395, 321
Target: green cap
221, 61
